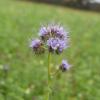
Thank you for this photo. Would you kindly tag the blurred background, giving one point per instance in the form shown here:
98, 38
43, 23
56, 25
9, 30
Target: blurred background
23, 75
81, 4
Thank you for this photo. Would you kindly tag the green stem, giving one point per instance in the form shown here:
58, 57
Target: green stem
48, 92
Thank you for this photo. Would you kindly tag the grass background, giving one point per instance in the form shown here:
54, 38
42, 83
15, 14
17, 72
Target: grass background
19, 22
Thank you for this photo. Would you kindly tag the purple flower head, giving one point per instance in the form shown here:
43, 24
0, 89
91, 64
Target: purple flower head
57, 45
35, 43
60, 32
53, 43
62, 46
64, 66
43, 33
37, 46
53, 31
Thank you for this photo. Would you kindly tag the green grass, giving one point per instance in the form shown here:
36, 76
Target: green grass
19, 22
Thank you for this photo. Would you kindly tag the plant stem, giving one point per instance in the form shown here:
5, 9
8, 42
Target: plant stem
48, 92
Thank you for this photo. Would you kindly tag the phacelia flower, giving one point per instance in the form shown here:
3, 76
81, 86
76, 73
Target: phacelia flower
54, 37
52, 31
64, 66
56, 45
43, 33
37, 46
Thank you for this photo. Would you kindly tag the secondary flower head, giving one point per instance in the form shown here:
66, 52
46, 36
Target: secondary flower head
56, 45
64, 66
35, 43
43, 33
52, 31
37, 46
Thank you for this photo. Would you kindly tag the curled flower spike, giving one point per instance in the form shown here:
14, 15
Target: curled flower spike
56, 45
37, 46
64, 66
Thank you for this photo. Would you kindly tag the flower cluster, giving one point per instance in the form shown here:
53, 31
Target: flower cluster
54, 38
